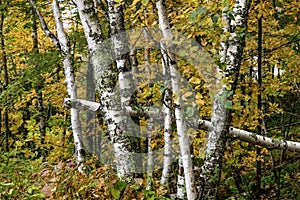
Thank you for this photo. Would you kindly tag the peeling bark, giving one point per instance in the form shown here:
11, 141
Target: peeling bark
181, 191
122, 58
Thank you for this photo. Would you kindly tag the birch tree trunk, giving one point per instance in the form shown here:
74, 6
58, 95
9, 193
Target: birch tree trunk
218, 133
167, 107
171, 59
150, 161
181, 191
105, 80
122, 57
71, 87
63, 47
150, 127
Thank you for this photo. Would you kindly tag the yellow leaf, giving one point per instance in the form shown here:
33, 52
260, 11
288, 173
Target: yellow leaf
188, 94
200, 102
135, 2
195, 80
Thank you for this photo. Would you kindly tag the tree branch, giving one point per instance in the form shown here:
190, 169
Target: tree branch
95, 107
271, 143
44, 26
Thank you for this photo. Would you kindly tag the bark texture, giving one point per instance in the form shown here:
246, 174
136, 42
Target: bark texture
171, 62
218, 133
106, 77
122, 58
63, 47
71, 87
246, 136
167, 107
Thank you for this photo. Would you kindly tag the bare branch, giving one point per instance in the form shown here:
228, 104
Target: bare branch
95, 107
271, 143
44, 26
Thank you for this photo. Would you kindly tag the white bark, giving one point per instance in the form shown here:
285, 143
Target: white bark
171, 61
96, 107
150, 160
246, 136
167, 107
44, 26
217, 135
181, 192
106, 78
121, 52
90, 24
271, 143
70, 79
82, 104
61, 43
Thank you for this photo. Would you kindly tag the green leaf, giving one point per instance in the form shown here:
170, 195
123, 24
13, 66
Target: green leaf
228, 104
189, 112
200, 10
115, 194
214, 18
120, 185
229, 93
145, 2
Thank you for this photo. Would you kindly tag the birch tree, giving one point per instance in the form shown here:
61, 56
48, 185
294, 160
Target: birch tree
61, 43
167, 107
171, 62
106, 77
243, 135
125, 78
231, 56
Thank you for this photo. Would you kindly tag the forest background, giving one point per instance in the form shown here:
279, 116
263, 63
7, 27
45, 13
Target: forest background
262, 98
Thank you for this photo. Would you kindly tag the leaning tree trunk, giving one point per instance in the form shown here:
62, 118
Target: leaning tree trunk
218, 133
171, 62
63, 47
246, 136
